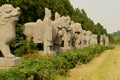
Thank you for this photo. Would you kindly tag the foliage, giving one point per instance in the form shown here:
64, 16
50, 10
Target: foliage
115, 37
48, 67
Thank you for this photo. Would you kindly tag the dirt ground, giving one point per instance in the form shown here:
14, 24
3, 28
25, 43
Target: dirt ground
104, 67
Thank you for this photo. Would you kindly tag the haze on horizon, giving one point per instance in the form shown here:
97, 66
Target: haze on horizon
106, 12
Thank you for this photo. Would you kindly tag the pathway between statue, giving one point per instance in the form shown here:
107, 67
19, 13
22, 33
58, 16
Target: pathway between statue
104, 67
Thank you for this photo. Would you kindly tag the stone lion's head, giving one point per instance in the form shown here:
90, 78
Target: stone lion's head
9, 13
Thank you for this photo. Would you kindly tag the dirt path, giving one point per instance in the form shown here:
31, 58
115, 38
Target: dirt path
104, 67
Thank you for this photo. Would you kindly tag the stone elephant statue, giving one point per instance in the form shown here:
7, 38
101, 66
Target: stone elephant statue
8, 19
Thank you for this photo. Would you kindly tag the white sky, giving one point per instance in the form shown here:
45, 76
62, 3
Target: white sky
106, 12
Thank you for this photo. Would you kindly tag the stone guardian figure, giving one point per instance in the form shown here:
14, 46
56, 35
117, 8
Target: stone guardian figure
8, 19
48, 42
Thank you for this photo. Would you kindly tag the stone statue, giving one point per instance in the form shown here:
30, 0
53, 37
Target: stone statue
33, 30
58, 32
83, 41
57, 15
8, 19
88, 37
68, 34
93, 39
48, 41
106, 40
77, 29
39, 30
102, 41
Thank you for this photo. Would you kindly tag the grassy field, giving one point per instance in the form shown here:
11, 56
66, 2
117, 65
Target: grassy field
104, 67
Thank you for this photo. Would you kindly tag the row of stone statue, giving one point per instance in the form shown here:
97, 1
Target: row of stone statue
52, 34
61, 31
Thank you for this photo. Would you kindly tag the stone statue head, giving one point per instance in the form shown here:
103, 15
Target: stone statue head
57, 15
66, 22
9, 13
47, 13
89, 33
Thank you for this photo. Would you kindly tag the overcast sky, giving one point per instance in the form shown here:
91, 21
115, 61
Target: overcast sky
106, 12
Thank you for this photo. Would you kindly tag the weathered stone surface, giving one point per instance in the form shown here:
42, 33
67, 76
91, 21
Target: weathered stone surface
85, 38
68, 34
9, 62
61, 32
83, 41
8, 18
48, 40
57, 15
39, 30
106, 40
93, 39
102, 41
77, 29
29, 29
88, 37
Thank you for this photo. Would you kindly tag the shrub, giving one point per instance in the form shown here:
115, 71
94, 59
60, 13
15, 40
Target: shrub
48, 67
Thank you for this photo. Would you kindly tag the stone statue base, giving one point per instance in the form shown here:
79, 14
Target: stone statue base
9, 62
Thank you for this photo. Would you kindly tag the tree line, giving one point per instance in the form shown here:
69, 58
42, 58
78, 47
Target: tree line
114, 37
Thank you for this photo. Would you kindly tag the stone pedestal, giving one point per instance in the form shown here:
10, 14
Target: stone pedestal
9, 62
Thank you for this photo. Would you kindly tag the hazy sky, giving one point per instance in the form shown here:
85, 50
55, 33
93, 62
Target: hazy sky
106, 12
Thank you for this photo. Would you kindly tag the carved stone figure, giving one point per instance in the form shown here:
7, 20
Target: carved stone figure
58, 31
106, 40
87, 38
8, 18
57, 15
77, 29
93, 39
34, 30
102, 41
83, 41
68, 34
39, 30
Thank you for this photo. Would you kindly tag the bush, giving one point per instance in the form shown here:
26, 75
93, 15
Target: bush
48, 67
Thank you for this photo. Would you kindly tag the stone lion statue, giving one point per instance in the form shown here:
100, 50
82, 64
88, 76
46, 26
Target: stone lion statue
8, 18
